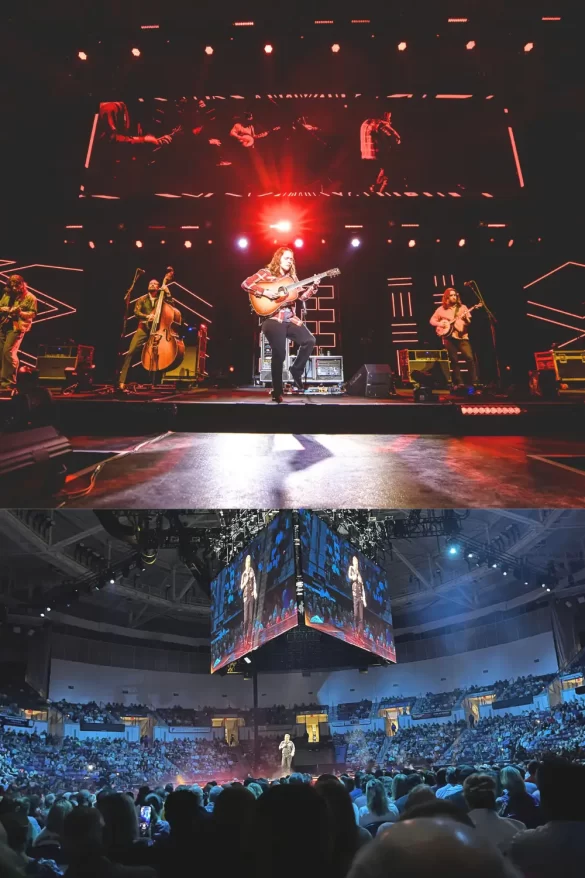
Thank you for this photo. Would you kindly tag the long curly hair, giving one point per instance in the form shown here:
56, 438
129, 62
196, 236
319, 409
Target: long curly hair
446, 295
274, 264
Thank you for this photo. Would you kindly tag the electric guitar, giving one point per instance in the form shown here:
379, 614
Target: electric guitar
282, 292
446, 327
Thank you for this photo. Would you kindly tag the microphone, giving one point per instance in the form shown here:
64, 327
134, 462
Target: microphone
140, 271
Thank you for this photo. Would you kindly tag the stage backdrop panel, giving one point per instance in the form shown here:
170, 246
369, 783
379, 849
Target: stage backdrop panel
346, 594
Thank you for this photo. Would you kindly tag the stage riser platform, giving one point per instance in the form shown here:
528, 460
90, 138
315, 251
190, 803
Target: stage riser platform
105, 417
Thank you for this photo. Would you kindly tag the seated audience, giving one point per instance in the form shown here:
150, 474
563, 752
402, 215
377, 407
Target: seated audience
480, 794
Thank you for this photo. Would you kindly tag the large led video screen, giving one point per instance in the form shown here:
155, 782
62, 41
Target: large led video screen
253, 599
346, 594
431, 145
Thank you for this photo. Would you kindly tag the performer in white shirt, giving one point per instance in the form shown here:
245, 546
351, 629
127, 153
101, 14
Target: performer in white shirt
288, 751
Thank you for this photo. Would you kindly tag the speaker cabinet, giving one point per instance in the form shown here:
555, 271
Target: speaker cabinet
430, 365
52, 368
372, 380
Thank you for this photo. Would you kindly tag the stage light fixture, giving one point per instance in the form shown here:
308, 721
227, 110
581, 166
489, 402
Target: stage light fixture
402, 46
82, 56
412, 243
136, 53
247, 659
139, 244
355, 242
282, 226
335, 47
209, 50
188, 244
243, 243
453, 550
91, 245
462, 242
528, 47
511, 242
268, 49
470, 45
299, 242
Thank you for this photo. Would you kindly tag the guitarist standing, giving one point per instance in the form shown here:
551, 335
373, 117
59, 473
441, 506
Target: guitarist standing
458, 317
17, 311
285, 323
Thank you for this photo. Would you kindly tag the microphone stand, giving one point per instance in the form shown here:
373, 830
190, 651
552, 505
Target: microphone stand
138, 273
492, 319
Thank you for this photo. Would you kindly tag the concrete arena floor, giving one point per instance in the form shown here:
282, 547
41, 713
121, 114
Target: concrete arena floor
246, 470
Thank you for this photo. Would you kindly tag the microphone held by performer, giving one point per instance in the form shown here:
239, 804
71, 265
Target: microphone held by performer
288, 751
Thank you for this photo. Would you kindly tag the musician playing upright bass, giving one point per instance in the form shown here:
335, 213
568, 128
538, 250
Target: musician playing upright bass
285, 323
144, 310
455, 318
17, 311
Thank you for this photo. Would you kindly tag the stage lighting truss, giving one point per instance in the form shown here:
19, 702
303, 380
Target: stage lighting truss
372, 531
491, 554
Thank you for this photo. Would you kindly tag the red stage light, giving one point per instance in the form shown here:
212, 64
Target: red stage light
163, 242
210, 241
282, 226
412, 243
462, 242
188, 245
355, 242
136, 53
91, 245
139, 244
529, 47
470, 44
335, 47
511, 242
401, 46
209, 50
299, 242
243, 243
82, 56
268, 49
232, 369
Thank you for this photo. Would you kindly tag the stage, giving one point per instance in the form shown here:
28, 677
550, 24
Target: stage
251, 410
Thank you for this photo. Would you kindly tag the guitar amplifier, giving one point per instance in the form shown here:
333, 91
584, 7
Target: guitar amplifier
569, 366
266, 361
435, 364
52, 366
187, 370
323, 370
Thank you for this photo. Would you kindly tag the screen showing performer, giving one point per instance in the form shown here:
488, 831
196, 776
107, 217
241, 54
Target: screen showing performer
253, 599
346, 594
308, 143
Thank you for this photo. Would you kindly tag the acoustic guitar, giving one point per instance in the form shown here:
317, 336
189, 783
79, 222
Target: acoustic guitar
283, 292
446, 327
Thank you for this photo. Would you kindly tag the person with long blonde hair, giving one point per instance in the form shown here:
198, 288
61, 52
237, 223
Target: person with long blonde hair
454, 312
285, 323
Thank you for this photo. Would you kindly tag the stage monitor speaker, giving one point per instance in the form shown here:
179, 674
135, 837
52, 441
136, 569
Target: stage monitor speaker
580, 690
32, 466
187, 368
372, 380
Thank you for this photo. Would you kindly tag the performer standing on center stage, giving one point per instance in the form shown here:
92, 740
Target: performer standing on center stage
144, 310
358, 593
452, 311
17, 311
285, 323
249, 597
288, 751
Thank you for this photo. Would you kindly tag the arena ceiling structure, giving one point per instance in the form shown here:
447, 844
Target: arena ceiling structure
147, 574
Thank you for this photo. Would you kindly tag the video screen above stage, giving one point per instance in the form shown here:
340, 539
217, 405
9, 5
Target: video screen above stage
431, 144
253, 599
346, 594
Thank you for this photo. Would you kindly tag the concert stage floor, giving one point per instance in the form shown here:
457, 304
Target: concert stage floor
280, 470
236, 410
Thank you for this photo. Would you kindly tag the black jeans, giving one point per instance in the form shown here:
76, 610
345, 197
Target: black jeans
456, 347
277, 334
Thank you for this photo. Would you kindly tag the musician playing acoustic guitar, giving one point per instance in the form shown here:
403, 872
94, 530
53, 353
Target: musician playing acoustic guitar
285, 323
18, 307
453, 318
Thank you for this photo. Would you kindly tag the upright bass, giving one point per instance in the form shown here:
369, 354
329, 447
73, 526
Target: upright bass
163, 350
